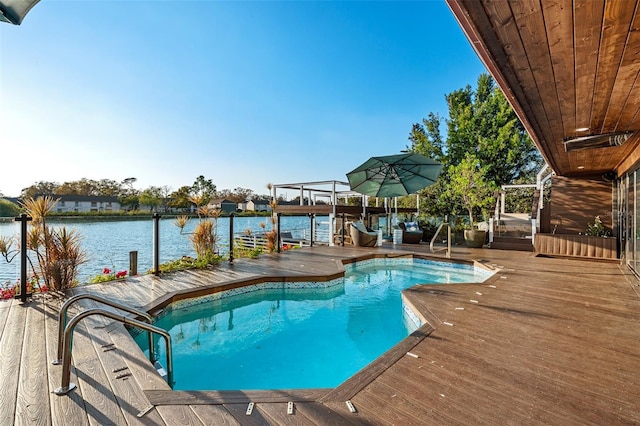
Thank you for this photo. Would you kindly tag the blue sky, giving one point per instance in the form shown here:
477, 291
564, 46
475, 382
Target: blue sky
244, 93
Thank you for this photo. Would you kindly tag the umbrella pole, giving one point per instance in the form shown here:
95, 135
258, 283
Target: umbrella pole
388, 219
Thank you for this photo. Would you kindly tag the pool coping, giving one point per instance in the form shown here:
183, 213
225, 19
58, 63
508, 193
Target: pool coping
342, 392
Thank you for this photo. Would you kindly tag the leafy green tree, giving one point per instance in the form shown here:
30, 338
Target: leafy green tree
128, 196
481, 123
108, 187
39, 188
203, 189
179, 199
8, 209
469, 185
237, 195
151, 197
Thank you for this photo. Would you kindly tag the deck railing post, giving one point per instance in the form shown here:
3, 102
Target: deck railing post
278, 231
156, 244
343, 230
312, 217
23, 219
231, 238
133, 263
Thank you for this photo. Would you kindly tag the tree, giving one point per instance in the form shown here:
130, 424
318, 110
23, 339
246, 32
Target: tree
468, 183
128, 196
481, 123
8, 209
108, 187
203, 190
151, 197
79, 187
39, 188
237, 195
180, 198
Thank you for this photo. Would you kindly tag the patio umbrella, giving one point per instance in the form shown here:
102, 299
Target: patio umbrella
394, 175
14, 11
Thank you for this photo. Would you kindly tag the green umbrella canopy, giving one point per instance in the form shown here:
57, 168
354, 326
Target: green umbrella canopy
394, 175
14, 11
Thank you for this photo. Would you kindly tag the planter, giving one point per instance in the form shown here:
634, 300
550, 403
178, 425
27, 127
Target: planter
576, 246
474, 238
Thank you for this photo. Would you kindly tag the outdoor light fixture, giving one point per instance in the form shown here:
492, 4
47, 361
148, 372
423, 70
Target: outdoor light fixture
596, 141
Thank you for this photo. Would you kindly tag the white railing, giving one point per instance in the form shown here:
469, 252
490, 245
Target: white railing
435, 236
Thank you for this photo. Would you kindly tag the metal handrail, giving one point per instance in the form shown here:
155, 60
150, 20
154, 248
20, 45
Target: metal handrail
62, 320
66, 386
448, 248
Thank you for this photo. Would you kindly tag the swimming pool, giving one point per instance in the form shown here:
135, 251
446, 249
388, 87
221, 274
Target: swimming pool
297, 335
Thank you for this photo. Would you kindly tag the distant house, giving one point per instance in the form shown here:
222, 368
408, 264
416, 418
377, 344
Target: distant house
258, 206
242, 206
223, 204
85, 203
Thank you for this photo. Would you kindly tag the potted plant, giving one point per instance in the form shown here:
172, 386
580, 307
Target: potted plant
469, 185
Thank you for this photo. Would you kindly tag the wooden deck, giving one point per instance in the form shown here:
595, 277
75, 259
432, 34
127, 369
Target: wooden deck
545, 341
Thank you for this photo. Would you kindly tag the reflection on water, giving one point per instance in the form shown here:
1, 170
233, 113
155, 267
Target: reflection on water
108, 243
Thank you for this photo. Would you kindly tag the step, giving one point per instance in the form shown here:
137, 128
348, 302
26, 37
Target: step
520, 244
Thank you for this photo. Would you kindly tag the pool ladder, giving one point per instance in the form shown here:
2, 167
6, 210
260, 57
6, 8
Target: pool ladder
65, 335
448, 248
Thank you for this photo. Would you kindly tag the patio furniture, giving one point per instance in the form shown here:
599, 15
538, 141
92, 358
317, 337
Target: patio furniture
361, 236
411, 232
337, 237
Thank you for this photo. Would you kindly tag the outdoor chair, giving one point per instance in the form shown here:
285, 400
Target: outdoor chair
337, 237
361, 236
411, 232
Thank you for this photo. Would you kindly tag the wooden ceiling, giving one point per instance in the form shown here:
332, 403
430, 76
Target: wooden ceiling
564, 65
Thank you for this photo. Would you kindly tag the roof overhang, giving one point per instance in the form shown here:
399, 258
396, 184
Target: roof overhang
570, 70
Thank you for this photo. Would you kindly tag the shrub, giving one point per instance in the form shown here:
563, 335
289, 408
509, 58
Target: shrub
596, 229
108, 275
58, 251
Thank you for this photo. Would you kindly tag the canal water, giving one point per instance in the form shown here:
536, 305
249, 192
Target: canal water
108, 243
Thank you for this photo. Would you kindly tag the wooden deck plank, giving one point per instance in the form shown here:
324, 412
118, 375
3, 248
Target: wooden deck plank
93, 382
5, 307
33, 405
65, 410
141, 368
179, 415
359, 417
321, 414
238, 411
10, 353
166, 397
277, 414
128, 395
214, 415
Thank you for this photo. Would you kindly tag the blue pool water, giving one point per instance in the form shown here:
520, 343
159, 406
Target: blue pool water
308, 335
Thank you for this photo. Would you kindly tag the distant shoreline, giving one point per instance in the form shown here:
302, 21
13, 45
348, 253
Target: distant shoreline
57, 217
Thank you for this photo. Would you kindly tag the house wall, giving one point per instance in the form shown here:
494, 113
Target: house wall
258, 207
86, 206
576, 201
228, 207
